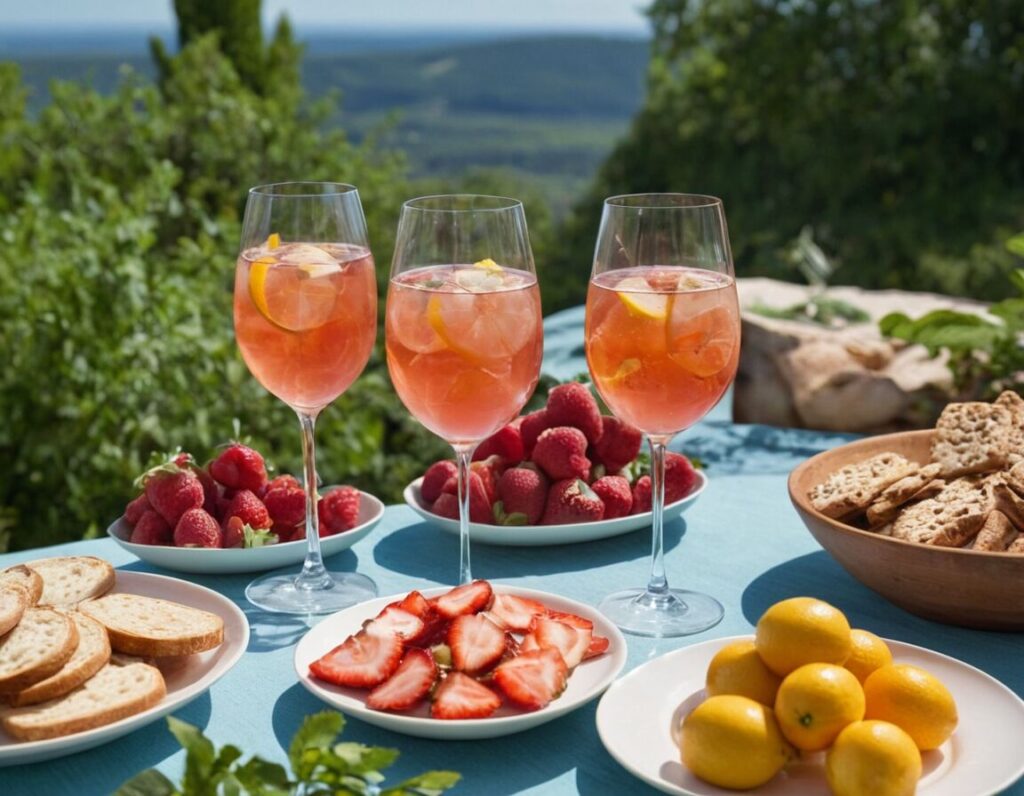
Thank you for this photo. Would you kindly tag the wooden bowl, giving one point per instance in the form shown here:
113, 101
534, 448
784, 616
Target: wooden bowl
959, 587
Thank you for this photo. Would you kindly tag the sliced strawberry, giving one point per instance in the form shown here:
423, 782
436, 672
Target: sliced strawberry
516, 613
395, 622
361, 661
466, 599
571, 642
415, 603
476, 643
528, 644
571, 619
435, 631
461, 697
412, 681
598, 646
532, 679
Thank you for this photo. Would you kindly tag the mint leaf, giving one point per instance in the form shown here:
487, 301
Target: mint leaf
430, 783
362, 759
257, 538
147, 783
260, 776
316, 735
199, 756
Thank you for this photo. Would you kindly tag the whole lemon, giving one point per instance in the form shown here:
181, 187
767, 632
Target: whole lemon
733, 742
815, 703
738, 669
914, 700
868, 653
873, 757
802, 630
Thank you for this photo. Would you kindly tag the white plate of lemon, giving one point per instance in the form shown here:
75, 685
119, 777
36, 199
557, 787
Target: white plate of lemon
639, 719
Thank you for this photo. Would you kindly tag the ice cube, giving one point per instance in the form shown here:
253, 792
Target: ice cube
311, 259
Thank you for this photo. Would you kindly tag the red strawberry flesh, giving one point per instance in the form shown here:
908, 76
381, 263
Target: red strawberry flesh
571, 642
477, 643
395, 621
459, 696
533, 678
361, 661
516, 613
410, 683
469, 598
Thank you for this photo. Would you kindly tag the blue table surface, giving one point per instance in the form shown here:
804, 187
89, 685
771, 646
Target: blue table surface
741, 541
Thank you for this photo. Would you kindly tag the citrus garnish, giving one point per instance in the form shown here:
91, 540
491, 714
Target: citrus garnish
273, 241
635, 293
626, 369
705, 343
258, 283
294, 296
488, 264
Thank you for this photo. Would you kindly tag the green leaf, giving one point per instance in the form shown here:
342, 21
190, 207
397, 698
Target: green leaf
147, 783
199, 757
261, 776
1011, 311
258, 538
362, 759
316, 735
430, 783
1015, 245
501, 518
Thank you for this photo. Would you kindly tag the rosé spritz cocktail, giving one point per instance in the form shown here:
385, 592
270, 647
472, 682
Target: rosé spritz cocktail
305, 321
464, 345
463, 323
662, 340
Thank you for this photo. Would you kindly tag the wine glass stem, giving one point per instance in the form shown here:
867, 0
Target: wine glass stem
463, 456
658, 583
313, 575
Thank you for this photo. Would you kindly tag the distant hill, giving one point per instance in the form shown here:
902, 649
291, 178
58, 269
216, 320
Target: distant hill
548, 106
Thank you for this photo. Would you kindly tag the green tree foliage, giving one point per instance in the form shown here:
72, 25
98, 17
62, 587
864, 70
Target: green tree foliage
894, 129
119, 224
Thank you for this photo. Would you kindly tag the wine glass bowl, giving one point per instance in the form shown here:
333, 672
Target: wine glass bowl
463, 328
662, 339
305, 312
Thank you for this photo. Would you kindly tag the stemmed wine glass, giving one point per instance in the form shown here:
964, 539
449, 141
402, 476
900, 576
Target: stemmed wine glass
662, 342
463, 324
305, 321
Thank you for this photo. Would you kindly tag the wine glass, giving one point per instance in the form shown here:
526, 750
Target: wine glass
463, 324
305, 321
662, 343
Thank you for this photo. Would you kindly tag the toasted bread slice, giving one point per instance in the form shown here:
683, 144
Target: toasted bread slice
92, 653
113, 693
67, 580
26, 577
154, 628
14, 601
39, 646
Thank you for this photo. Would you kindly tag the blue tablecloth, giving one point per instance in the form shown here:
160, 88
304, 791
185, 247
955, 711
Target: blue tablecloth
742, 541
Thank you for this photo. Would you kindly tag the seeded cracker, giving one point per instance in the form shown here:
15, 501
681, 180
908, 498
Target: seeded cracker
856, 486
950, 518
1014, 404
972, 438
996, 534
893, 498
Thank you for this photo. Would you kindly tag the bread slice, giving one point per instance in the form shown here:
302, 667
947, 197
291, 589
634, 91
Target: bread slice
853, 488
972, 437
26, 577
67, 580
92, 653
151, 627
14, 601
113, 693
39, 646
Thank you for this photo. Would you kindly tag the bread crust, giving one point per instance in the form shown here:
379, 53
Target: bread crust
14, 601
27, 578
47, 662
97, 581
125, 639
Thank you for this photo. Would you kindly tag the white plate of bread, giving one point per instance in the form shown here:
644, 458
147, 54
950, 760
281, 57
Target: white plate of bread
88, 654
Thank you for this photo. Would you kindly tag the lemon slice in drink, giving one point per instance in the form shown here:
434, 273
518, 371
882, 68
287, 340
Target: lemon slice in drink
635, 292
294, 291
488, 264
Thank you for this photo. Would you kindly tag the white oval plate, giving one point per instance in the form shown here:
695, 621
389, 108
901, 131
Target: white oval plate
226, 561
527, 535
586, 682
186, 677
638, 720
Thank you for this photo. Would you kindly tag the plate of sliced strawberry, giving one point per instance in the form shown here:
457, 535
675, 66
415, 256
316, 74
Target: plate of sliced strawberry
471, 662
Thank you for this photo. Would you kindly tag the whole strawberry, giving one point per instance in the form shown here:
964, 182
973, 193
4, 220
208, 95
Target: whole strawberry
172, 490
435, 478
197, 528
641, 495
615, 493
240, 534
286, 506
279, 482
619, 444
573, 405
211, 492
489, 470
249, 509
479, 505
151, 528
571, 500
506, 442
523, 490
680, 477
531, 426
446, 505
338, 510
239, 467
561, 453
135, 509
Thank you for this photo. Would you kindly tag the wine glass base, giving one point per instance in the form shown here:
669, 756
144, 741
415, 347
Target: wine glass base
675, 612
280, 593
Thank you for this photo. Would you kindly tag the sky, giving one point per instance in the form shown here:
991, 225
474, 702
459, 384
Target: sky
621, 16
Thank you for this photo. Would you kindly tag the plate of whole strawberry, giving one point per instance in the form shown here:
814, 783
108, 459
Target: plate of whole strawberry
563, 474
471, 662
229, 516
